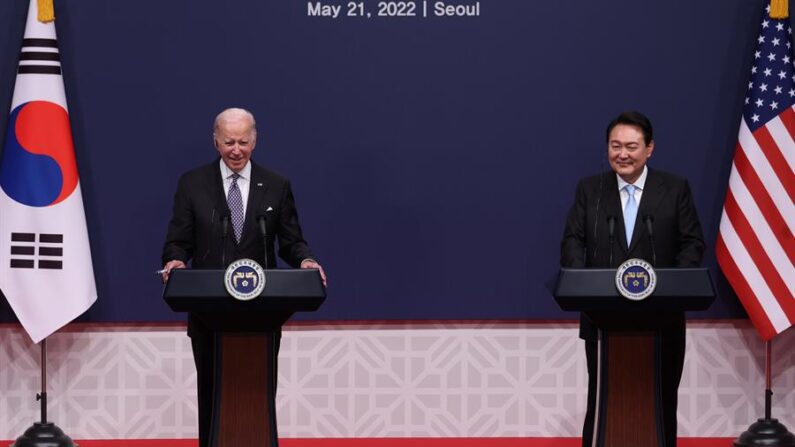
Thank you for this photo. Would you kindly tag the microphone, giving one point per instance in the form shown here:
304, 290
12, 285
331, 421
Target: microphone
611, 228
262, 219
649, 220
598, 201
226, 216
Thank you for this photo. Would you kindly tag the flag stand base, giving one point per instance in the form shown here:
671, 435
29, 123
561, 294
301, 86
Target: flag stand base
766, 432
44, 435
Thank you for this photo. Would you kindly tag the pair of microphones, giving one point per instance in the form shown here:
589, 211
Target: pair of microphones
262, 221
611, 228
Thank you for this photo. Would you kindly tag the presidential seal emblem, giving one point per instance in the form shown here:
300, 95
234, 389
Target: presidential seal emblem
244, 279
635, 279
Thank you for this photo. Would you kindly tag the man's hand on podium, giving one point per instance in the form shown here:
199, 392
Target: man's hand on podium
170, 265
312, 264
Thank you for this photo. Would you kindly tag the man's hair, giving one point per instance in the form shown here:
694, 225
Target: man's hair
632, 118
234, 112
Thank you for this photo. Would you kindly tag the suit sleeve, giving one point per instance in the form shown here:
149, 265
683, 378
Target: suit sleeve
292, 246
691, 239
572, 247
179, 238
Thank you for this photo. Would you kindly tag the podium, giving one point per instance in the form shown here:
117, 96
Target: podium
244, 406
628, 412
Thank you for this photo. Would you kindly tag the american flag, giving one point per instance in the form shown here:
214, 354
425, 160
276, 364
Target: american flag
755, 247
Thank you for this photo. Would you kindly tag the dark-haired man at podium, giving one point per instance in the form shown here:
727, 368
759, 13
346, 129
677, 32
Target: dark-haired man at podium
230, 193
608, 224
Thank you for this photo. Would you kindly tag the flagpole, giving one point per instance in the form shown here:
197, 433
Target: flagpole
44, 434
43, 395
768, 380
767, 432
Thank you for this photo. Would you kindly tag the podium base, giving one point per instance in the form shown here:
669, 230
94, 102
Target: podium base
766, 433
44, 435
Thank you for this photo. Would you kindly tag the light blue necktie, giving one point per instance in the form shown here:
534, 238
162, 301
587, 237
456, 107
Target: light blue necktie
235, 201
630, 212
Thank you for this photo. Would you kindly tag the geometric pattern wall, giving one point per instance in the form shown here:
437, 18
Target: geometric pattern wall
380, 380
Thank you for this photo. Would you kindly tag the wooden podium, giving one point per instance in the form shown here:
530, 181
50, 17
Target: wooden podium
627, 408
244, 407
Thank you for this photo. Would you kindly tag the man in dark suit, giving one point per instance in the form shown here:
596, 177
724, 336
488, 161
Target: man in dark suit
608, 224
215, 222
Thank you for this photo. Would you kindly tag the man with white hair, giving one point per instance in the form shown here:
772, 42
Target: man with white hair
230, 193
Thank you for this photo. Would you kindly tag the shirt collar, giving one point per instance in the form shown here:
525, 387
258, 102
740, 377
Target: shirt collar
639, 183
244, 173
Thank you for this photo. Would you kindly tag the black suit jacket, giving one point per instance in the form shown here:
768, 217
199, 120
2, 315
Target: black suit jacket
195, 230
666, 200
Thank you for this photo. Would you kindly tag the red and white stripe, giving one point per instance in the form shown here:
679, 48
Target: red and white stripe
756, 246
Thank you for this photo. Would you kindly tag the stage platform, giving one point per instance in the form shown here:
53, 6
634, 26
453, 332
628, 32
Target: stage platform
394, 442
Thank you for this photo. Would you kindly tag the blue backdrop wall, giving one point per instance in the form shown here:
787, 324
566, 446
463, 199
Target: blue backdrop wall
433, 159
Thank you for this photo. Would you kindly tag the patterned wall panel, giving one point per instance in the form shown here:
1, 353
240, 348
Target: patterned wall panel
112, 384
723, 384
410, 380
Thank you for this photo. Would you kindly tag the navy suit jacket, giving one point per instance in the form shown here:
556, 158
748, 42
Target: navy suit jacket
666, 201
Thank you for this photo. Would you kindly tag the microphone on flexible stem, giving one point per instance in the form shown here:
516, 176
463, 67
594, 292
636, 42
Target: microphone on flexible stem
650, 229
262, 219
611, 228
225, 218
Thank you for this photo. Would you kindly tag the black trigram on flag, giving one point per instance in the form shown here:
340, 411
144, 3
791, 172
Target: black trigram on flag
24, 246
39, 56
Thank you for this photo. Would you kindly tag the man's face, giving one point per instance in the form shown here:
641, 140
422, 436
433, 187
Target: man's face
627, 151
235, 140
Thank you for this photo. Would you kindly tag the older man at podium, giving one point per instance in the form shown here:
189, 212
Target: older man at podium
215, 222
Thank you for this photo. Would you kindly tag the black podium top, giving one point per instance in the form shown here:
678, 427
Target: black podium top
290, 290
681, 289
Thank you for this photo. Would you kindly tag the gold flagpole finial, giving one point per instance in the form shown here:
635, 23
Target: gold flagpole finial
46, 11
779, 9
